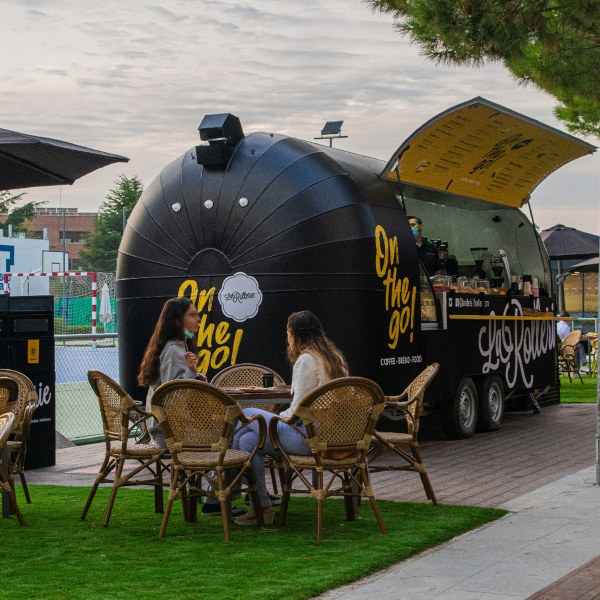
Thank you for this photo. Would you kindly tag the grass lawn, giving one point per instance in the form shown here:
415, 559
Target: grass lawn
575, 392
59, 556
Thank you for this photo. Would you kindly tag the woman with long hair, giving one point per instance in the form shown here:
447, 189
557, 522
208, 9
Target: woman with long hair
316, 360
171, 352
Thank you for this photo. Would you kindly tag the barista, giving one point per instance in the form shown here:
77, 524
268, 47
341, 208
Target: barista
428, 252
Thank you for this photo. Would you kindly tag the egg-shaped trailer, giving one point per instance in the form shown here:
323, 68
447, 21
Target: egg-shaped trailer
253, 228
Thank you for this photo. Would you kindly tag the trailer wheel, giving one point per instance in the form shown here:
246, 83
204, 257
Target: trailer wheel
459, 417
491, 403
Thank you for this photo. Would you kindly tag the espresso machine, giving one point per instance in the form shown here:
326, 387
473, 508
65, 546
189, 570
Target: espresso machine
479, 257
500, 269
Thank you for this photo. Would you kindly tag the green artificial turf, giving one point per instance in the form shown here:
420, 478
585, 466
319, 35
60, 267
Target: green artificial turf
574, 392
59, 556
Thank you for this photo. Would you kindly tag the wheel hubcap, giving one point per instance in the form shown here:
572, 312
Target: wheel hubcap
466, 407
495, 402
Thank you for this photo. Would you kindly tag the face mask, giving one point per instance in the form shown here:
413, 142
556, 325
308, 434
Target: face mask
188, 334
415, 231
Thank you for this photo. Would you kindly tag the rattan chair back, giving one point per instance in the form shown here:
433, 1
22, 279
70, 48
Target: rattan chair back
341, 415
195, 416
244, 375
115, 405
415, 395
7, 423
26, 396
9, 390
571, 340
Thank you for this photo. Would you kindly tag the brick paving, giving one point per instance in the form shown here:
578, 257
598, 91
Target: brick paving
485, 470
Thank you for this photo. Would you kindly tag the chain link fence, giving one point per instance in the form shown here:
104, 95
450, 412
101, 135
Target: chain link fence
77, 412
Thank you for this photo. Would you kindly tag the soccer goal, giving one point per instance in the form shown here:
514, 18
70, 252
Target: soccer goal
84, 301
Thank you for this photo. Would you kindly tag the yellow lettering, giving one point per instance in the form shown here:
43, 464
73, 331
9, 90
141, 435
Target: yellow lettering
380, 253
394, 331
399, 297
206, 296
222, 334
236, 345
205, 333
189, 283
217, 363
203, 361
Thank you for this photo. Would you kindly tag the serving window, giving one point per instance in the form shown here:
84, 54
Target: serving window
429, 312
466, 223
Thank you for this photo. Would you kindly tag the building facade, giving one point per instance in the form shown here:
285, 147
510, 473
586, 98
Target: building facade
65, 229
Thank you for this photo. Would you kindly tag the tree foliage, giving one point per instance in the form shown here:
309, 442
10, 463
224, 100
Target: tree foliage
102, 244
18, 216
554, 44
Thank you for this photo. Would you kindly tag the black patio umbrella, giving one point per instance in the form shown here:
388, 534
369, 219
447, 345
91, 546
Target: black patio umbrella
586, 266
32, 161
564, 243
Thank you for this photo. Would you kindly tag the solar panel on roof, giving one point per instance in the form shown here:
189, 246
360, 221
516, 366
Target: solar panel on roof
332, 128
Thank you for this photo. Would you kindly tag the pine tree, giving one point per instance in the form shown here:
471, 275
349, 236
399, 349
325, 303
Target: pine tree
554, 44
102, 244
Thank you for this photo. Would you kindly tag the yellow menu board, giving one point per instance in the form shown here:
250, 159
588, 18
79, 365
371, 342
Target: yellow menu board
482, 150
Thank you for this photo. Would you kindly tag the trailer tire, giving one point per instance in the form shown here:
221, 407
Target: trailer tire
459, 417
491, 403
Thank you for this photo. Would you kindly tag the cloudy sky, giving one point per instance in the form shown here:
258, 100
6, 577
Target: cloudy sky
135, 78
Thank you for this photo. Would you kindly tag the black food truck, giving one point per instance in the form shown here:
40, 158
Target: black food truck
254, 227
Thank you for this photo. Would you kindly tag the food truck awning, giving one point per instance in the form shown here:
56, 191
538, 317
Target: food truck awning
482, 150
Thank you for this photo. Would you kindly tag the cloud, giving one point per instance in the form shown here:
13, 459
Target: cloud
137, 79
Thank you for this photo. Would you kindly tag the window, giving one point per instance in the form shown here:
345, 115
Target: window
428, 301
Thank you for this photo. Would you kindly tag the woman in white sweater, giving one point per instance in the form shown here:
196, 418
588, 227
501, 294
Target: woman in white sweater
316, 361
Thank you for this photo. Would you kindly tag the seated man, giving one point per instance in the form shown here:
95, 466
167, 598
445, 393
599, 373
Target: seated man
563, 329
428, 252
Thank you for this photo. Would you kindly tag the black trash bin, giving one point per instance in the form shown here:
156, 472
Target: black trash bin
27, 333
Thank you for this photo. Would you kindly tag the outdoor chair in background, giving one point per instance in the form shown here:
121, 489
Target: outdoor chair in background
406, 445
121, 418
567, 355
7, 423
594, 356
23, 408
245, 375
198, 421
339, 418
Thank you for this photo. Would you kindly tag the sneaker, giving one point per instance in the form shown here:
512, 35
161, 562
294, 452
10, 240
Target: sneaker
584, 368
249, 519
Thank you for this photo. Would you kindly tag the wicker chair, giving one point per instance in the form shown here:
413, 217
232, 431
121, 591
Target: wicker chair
198, 422
249, 374
339, 418
406, 445
23, 408
7, 423
121, 417
244, 375
9, 391
567, 354
594, 357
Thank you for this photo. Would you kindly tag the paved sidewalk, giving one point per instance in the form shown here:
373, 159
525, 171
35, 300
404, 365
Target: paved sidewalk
486, 470
549, 533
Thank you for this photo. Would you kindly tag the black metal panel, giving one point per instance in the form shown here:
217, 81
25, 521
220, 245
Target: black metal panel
28, 346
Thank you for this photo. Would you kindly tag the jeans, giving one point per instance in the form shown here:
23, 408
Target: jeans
246, 439
580, 356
